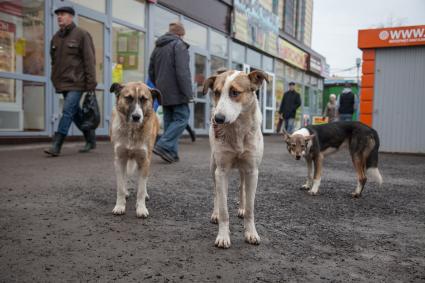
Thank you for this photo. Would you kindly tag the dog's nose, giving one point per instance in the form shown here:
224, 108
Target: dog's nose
136, 117
297, 157
219, 118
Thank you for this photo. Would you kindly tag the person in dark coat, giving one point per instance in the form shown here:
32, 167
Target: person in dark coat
169, 71
73, 72
347, 104
288, 108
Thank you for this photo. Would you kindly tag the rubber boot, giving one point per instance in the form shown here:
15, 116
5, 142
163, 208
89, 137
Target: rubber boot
191, 133
57, 142
90, 137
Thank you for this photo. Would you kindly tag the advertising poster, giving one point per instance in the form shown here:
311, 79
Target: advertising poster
256, 24
128, 50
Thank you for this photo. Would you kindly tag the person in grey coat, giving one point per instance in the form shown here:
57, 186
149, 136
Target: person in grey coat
169, 71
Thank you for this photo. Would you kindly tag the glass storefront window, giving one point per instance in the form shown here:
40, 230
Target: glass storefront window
217, 63
237, 66
22, 37
200, 74
97, 5
268, 64
22, 105
96, 31
238, 52
307, 97
253, 58
127, 54
199, 115
218, 44
279, 68
162, 19
196, 35
132, 11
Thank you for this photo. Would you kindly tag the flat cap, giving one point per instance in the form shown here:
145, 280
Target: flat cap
66, 9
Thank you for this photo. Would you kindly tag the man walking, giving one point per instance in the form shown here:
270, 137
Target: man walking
288, 108
346, 104
73, 72
169, 71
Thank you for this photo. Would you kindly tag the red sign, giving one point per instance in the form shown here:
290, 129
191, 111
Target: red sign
388, 37
5, 26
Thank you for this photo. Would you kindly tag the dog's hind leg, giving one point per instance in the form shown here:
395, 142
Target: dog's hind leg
141, 210
360, 167
221, 180
251, 181
121, 173
309, 181
241, 210
214, 215
318, 164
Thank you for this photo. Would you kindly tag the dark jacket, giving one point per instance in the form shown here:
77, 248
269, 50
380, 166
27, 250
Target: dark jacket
73, 60
346, 102
169, 70
290, 103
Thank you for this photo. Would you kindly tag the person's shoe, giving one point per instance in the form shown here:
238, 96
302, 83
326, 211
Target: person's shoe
57, 142
191, 133
163, 154
90, 137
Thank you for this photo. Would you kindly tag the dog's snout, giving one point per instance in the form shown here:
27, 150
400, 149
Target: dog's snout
219, 118
136, 117
297, 157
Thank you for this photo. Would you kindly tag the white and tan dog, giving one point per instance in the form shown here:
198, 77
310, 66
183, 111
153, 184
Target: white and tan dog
133, 132
236, 142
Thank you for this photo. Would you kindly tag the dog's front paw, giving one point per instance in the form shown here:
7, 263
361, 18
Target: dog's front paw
313, 193
305, 187
241, 213
355, 195
118, 209
252, 238
222, 241
214, 218
142, 211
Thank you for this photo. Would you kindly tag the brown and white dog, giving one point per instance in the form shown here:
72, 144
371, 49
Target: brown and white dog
134, 127
314, 143
236, 142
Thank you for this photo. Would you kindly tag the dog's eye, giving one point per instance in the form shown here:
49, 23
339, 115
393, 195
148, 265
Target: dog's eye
217, 94
129, 98
142, 99
234, 93
294, 145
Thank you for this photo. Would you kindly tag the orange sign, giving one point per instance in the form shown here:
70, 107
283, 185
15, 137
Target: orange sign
388, 37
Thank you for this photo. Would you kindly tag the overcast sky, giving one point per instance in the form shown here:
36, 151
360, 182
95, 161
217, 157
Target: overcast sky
336, 22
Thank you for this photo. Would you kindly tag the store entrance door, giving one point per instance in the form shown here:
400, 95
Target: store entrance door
97, 25
267, 100
200, 110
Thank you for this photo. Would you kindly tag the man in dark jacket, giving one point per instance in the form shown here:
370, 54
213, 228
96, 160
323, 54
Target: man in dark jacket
73, 72
169, 71
288, 108
347, 103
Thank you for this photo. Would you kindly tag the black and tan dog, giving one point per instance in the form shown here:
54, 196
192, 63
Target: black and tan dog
315, 142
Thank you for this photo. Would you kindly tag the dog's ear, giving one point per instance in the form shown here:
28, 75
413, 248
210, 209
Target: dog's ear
257, 77
286, 136
310, 137
208, 84
156, 94
116, 88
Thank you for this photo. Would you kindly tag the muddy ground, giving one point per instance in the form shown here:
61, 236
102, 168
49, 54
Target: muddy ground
56, 221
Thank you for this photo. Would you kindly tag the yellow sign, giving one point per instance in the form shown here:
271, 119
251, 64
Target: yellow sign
292, 54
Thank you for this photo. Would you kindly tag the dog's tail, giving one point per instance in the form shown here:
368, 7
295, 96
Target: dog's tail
131, 167
372, 160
